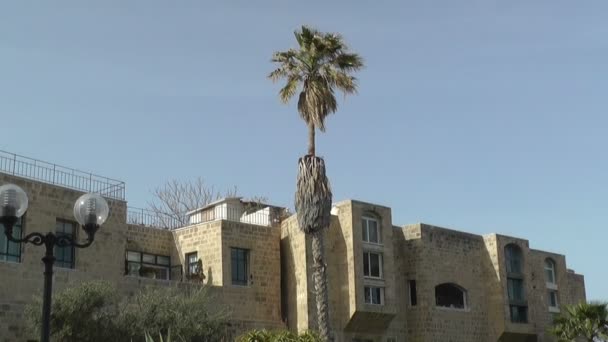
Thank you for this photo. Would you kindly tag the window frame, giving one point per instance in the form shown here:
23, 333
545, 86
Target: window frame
246, 269
552, 294
367, 256
141, 262
365, 219
549, 268
371, 297
5, 251
189, 264
463, 292
520, 321
60, 261
514, 255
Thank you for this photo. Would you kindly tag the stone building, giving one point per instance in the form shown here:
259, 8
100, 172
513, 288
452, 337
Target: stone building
387, 283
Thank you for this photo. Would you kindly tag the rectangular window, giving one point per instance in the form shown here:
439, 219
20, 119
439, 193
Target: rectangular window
550, 275
374, 295
11, 251
372, 265
148, 265
413, 295
553, 299
240, 266
192, 264
516, 289
65, 256
519, 314
371, 230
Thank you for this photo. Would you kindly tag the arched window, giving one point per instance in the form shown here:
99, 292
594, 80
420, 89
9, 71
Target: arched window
450, 296
514, 259
550, 271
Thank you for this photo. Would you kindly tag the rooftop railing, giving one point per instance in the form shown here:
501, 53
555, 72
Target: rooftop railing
17, 165
149, 218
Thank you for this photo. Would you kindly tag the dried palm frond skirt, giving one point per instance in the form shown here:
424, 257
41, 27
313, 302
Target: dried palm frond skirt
313, 195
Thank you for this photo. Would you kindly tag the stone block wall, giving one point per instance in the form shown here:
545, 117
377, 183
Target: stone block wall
19, 282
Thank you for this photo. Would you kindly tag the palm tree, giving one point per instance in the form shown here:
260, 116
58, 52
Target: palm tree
320, 65
588, 321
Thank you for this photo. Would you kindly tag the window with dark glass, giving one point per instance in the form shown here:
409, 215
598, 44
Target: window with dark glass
450, 296
65, 256
372, 265
148, 265
553, 299
513, 257
519, 313
374, 295
192, 264
370, 230
515, 284
413, 294
516, 289
240, 266
11, 251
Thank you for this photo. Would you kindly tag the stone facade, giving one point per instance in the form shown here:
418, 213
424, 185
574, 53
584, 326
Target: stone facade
277, 291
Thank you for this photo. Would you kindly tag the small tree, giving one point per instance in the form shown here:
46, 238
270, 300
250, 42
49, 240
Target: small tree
85, 313
175, 198
588, 321
94, 312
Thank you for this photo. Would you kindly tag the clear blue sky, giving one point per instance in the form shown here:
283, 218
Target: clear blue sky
484, 116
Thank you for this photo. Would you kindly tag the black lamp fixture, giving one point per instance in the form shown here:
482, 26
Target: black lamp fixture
90, 210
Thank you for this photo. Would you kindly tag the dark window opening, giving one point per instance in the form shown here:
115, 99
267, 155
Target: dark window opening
192, 264
372, 265
11, 251
374, 295
450, 296
148, 265
240, 266
65, 256
413, 295
514, 259
516, 289
519, 314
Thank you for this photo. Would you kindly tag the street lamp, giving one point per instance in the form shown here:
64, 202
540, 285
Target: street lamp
90, 210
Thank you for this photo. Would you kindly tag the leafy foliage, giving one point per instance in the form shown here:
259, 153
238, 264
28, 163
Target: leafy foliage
588, 321
85, 313
321, 64
278, 336
94, 312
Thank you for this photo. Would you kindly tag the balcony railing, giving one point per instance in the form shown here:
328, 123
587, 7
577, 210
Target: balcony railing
149, 218
14, 164
269, 216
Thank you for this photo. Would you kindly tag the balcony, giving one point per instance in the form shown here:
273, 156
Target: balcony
38, 170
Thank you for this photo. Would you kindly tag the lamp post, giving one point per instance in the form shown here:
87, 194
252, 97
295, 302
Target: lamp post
90, 210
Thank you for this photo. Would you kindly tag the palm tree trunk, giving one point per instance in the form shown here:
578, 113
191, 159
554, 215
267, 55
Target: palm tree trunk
320, 283
311, 139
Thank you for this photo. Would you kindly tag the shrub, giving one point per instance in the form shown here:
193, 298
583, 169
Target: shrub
94, 312
278, 336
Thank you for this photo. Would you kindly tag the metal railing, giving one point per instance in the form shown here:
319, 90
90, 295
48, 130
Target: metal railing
268, 216
17, 165
149, 218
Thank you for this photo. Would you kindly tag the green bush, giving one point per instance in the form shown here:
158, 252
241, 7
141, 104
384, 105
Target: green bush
278, 336
93, 312
85, 313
